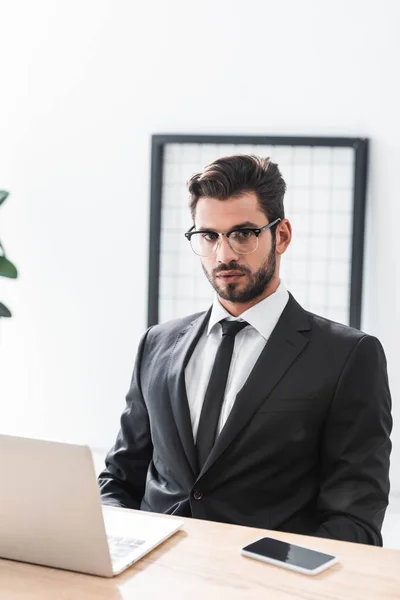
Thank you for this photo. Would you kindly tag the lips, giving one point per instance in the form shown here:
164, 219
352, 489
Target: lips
229, 275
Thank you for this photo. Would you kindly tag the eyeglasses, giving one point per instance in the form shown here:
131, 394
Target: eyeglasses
242, 241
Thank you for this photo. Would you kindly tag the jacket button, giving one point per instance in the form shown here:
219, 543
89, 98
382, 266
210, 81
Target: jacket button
197, 495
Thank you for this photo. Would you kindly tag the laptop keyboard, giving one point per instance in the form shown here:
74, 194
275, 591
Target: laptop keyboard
122, 546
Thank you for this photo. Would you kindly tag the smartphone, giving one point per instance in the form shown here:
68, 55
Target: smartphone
289, 556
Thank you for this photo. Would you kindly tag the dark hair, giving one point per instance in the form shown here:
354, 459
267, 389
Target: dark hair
235, 175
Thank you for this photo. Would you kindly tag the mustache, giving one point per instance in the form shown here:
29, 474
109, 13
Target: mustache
232, 266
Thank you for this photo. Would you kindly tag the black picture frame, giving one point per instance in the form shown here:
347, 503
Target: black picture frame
360, 146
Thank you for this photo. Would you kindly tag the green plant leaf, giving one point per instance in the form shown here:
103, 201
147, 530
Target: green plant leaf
3, 196
7, 269
4, 312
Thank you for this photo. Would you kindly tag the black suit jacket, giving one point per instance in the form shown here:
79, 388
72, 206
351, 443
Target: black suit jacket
305, 448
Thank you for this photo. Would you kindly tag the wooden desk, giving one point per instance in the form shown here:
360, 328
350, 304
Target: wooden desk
203, 561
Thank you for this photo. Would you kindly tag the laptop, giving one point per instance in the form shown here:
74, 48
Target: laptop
51, 514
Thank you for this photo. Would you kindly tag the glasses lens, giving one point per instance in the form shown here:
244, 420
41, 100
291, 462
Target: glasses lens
204, 243
243, 241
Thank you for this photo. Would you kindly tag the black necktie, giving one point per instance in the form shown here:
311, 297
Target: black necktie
215, 393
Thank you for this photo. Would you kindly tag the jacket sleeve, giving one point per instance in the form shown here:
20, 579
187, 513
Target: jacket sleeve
356, 447
122, 482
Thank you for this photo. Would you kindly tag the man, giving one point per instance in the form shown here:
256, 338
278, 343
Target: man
255, 412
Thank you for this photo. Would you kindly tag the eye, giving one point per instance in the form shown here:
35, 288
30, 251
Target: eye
242, 234
209, 236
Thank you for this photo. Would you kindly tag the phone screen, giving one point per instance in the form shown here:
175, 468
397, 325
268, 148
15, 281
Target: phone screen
289, 553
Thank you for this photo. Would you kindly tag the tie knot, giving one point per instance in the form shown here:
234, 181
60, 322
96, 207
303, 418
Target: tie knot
232, 327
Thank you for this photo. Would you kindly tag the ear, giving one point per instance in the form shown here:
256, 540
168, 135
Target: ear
283, 236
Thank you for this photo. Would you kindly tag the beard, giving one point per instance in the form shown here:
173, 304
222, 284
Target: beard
259, 280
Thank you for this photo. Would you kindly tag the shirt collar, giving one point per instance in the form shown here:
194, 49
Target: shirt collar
263, 316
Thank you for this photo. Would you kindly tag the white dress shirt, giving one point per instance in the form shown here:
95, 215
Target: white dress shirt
249, 343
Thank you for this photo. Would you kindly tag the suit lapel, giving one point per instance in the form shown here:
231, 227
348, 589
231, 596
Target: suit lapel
181, 353
283, 347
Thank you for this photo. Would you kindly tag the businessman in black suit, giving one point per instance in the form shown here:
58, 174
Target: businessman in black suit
255, 412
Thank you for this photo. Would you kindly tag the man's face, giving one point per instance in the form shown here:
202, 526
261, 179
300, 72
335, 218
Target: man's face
239, 278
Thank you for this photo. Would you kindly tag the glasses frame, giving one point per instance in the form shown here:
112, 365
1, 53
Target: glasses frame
256, 230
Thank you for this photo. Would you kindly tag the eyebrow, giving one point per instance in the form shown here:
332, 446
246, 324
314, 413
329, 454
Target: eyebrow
248, 224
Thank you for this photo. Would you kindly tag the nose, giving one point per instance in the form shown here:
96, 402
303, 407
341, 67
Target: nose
224, 252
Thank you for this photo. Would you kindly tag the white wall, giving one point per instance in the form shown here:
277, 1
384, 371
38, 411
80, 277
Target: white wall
82, 87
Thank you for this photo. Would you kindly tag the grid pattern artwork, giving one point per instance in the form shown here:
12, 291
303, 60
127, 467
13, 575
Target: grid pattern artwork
325, 202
